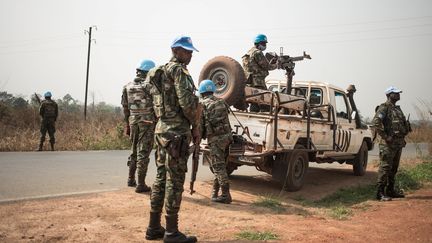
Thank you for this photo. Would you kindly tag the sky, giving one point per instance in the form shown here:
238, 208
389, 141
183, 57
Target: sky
372, 44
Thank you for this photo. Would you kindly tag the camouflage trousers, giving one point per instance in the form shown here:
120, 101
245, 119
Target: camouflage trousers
142, 139
389, 164
257, 82
170, 177
47, 126
218, 156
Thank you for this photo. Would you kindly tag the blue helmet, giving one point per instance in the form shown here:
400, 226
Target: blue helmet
260, 38
146, 65
184, 42
47, 94
207, 86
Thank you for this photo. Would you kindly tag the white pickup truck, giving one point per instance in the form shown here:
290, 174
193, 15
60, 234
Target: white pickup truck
316, 122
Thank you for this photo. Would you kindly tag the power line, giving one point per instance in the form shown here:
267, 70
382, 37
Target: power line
39, 50
48, 38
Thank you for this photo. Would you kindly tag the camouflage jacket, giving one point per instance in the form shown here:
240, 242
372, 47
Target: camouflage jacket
214, 119
256, 64
174, 99
48, 109
389, 120
137, 101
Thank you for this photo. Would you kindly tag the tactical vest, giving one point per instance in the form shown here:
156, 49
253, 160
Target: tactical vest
165, 101
49, 109
139, 100
216, 117
395, 123
250, 65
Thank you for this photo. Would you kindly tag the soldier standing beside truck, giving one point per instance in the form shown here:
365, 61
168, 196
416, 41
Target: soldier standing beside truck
392, 127
178, 113
48, 110
215, 126
140, 123
257, 67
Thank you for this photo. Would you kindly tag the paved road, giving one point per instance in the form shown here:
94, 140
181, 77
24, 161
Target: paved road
25, 175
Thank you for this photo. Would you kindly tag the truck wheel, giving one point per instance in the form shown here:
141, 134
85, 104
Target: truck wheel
361, 160
297, 167
229, 78
290, 169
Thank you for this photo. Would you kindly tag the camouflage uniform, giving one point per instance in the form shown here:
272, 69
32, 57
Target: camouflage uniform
389, 120
176, 107
48, 110
215, 126
139, 114
256, 68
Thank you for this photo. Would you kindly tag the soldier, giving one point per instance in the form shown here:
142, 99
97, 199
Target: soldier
215, 126
257, 67
48, 110
392, 127
178, 111
140, 123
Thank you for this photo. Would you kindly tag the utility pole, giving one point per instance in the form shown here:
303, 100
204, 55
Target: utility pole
89, 32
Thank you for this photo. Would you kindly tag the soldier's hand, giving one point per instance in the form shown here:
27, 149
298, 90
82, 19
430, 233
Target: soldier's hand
389, 139
127, 129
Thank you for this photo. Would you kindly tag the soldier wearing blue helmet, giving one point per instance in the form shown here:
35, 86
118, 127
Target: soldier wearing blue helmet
215, 126
178, 112
392, 127
140, 122
48, 110
257, 66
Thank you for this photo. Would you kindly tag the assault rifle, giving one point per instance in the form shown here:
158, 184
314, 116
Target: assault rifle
195, 162
37, 98
196, 149
409, 124
287, 63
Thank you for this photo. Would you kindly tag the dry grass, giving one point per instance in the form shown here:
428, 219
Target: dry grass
422, 131
19, 131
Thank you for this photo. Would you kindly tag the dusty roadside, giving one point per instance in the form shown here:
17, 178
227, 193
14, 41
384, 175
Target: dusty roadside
122, 216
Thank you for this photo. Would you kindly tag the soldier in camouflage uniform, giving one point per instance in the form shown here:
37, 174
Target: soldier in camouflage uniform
257, 67
392, 127
48, 110
215, 126
140, 123
177, 110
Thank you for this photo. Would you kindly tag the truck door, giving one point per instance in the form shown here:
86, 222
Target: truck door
345, 125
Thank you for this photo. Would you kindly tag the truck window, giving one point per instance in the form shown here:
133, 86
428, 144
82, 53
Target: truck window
316, 97
341, 105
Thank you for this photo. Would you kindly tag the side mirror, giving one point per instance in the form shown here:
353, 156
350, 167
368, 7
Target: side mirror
353, 115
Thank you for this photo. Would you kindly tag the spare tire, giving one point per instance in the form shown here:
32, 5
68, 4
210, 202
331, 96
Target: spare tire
229, 78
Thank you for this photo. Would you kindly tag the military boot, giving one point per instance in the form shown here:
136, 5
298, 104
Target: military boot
381, 196
390, 191
40, 148
141, 187
172, 234
155, 230
225, 196
131, 179
52, 146
215, 190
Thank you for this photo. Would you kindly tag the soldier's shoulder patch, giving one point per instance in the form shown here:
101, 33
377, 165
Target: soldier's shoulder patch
381, 115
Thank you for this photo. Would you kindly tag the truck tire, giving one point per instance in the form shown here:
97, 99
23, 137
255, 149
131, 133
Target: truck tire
229, 78
361, 160
290, 169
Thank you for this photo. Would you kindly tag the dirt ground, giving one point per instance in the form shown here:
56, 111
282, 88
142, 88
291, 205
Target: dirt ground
122, 216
